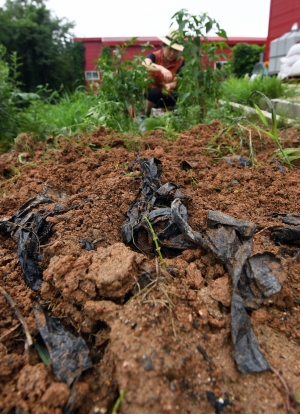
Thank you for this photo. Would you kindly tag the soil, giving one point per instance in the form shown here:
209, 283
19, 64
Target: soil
166, 348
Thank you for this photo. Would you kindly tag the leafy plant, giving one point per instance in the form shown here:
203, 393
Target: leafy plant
107, 114
164, 123
199, 82
123, 80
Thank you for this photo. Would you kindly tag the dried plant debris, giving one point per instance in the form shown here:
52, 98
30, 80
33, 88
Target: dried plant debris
69, 355
254, 278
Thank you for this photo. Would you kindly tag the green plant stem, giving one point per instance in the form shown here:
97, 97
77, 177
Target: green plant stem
157, 247
118, 402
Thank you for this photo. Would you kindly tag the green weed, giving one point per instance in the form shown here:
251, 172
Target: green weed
157, 246
118, 402
43, 353
286, 155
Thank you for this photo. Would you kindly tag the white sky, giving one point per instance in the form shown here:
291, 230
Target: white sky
117, 18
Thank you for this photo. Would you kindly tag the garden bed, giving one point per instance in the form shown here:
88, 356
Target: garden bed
164, 344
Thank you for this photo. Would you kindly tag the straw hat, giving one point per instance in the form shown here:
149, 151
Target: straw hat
172, 35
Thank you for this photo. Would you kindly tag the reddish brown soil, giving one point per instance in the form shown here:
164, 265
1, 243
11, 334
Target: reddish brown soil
148, 344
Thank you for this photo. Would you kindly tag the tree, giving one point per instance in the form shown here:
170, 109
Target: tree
43, 44
244, 58
9, 111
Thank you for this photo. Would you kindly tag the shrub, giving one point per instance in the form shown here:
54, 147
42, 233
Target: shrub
244, 58
8, 98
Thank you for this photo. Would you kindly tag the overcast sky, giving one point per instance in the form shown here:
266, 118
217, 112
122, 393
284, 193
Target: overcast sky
116, 18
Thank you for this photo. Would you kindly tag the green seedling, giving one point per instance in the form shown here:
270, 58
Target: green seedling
43, 353
292, 154
194, 182
129, 173
157, 246
118, 402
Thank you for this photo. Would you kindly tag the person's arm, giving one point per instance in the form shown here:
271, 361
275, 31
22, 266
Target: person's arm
170, 86
153, 67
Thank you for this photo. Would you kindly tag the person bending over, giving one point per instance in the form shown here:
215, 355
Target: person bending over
164, 67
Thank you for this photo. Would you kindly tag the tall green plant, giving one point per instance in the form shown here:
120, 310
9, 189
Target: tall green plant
123, 80
199, 82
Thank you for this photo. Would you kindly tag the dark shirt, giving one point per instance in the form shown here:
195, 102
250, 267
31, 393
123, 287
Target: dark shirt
152, 57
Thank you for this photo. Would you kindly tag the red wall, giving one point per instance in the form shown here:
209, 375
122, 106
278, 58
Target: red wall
283, 14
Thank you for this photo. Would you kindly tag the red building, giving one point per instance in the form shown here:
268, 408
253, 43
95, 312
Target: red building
283, 15
93, 47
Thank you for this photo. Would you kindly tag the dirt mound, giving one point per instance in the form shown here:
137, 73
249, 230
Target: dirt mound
160, 339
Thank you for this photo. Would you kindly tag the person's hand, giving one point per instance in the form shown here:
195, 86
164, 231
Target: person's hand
168, 87
166, 74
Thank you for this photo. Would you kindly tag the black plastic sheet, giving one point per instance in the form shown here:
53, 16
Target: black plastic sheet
286, 235
230, 240
154, 203
28, 229
69, 355
245, 162
254, 278
218, 404
287, 218
87, 245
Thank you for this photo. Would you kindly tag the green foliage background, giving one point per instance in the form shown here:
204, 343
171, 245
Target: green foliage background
244, 57
43, 43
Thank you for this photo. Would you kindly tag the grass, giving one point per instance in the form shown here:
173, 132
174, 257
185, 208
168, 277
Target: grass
287, 155
67, 115
239, 90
